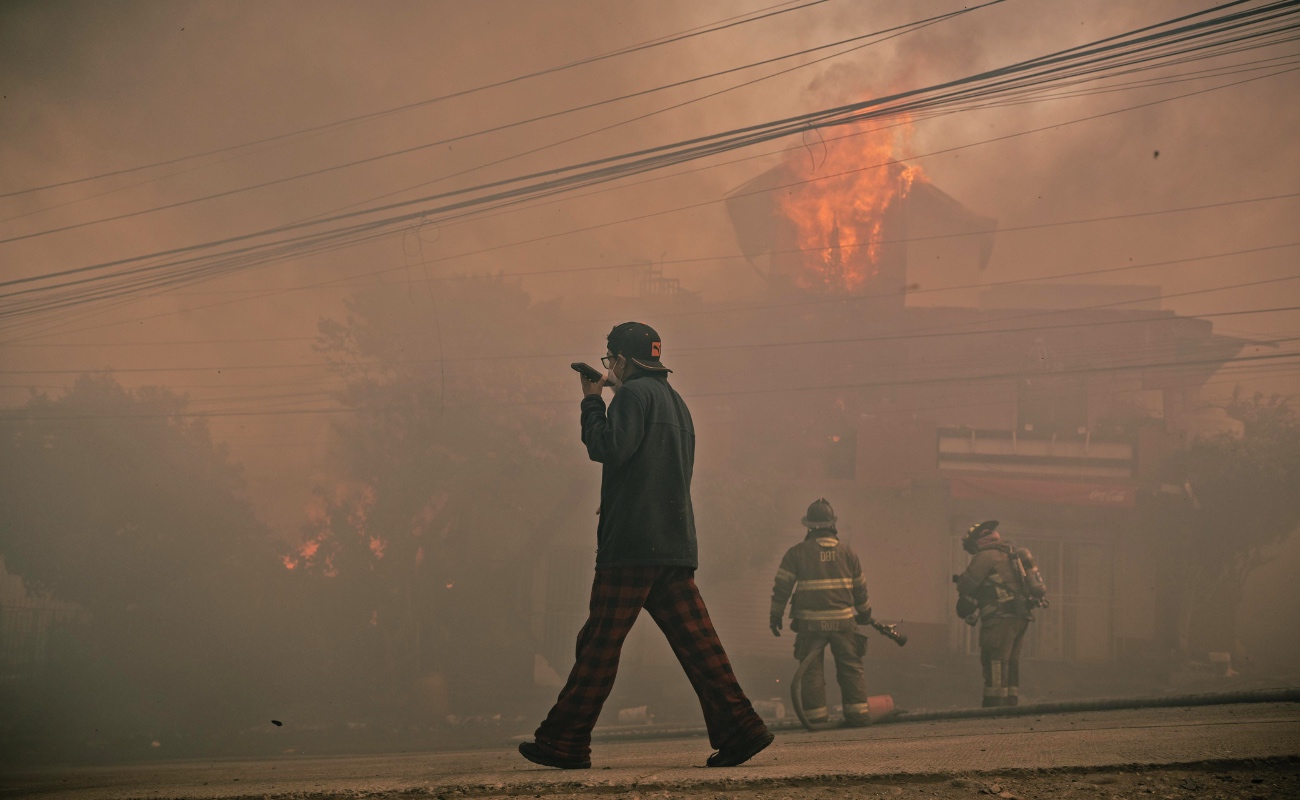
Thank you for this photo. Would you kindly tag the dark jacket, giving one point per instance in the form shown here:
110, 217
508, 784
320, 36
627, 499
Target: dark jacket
993, 583
646, 443
825, 578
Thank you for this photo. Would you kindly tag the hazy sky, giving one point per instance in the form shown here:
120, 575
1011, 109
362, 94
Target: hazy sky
90, 88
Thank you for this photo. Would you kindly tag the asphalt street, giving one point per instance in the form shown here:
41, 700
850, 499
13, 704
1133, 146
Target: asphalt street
1077, 740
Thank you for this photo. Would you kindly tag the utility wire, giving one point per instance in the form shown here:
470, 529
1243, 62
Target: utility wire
724, 24
694, 148
858, 298
26, 415
263, 340
914, 333
1282, 4
481, 132
705, 203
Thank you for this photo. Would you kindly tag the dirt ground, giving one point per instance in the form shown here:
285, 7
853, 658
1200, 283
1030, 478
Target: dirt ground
1226, 781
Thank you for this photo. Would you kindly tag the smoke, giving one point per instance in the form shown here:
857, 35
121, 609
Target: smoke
91, 89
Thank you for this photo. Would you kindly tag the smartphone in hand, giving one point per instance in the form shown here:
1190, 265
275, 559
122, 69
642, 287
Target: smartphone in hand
587, 371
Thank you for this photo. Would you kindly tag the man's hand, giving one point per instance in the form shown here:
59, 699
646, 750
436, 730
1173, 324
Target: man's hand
591, 388
775, 624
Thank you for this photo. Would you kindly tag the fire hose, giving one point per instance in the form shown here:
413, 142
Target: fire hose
796, 683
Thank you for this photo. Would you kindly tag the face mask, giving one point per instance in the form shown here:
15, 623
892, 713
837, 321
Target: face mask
611, 381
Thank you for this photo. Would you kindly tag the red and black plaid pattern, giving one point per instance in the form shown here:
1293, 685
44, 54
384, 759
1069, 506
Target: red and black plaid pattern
669, 593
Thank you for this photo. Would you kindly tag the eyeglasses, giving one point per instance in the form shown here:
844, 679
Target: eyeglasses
608, 361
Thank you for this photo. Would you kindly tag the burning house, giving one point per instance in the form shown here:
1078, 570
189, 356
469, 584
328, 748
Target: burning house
859, 223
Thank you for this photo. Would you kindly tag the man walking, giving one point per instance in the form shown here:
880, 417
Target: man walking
994, 590
645, 558
830, 600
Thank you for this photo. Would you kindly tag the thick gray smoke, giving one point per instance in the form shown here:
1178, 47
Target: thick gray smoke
344, 490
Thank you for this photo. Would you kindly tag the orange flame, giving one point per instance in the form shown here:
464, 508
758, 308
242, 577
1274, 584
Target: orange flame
836, 195
346, 503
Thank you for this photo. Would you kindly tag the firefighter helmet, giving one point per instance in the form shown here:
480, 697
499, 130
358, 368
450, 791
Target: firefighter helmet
976, 533
820, 515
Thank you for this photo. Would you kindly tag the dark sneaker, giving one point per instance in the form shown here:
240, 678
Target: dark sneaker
739, 754
535, 754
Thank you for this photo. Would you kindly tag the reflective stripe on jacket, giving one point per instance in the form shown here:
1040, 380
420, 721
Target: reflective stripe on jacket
825, 579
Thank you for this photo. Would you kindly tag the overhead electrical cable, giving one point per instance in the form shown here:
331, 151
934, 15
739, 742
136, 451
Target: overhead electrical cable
25, 415
697, 205
724, 24
744, 136
715, 258
911, 333
814, 301
363, 228
893, 33
482, 132
1031, 92
270, 339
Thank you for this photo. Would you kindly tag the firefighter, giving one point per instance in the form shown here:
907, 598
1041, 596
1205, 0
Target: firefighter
830, 601
995, 591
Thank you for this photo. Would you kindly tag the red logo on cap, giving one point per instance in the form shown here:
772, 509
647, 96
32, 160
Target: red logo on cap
654, 349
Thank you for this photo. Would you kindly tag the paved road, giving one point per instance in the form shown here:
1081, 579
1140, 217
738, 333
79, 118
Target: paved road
1102, 739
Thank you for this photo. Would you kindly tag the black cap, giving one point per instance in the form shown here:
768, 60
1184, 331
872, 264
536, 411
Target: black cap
820, 515
639, 342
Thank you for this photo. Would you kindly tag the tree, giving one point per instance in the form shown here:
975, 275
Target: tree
1241, 501
116, 500
424, 541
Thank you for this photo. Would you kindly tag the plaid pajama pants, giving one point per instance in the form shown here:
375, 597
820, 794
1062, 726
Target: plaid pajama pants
617, 596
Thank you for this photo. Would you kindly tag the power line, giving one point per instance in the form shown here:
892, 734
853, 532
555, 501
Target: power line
1167, 99
474, 134
174, 342
697, 205
895, 33
1262, 371
390, 270
658, 42
458, 255
653, 158
1002, 398
515, 208
1077, 355
12, 417
917, 333
1030, 93
820, 248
